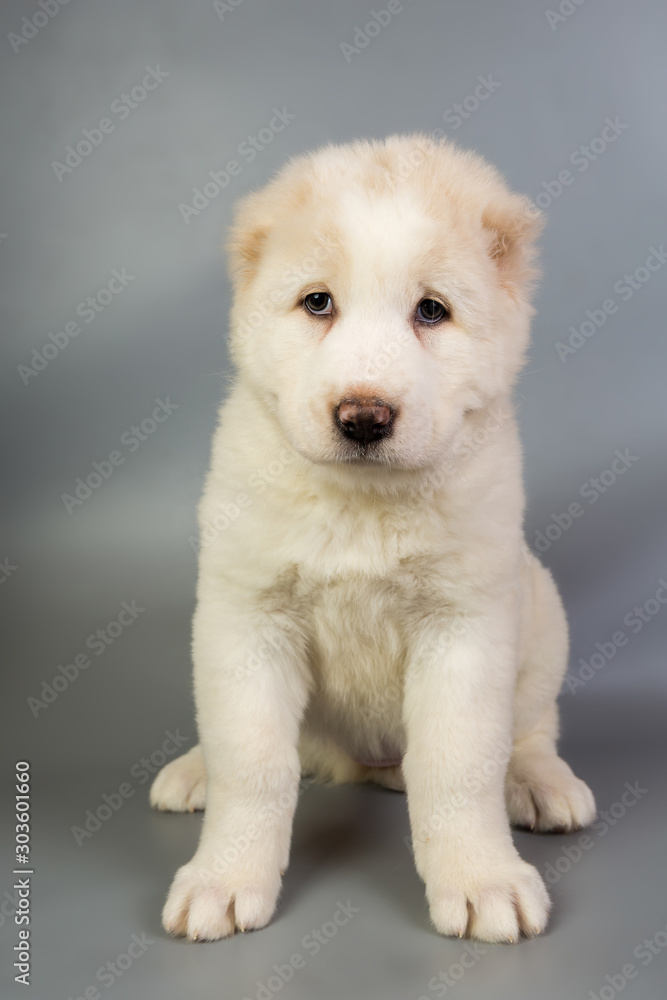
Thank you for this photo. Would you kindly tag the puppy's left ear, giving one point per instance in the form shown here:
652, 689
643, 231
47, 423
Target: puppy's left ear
513, 227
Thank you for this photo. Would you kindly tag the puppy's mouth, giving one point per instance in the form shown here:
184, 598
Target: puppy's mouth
363, 454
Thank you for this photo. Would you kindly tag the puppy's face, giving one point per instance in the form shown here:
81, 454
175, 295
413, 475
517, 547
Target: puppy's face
381, 294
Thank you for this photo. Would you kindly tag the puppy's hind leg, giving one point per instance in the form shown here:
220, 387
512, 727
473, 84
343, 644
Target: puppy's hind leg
181, 785
329, 764
541, 791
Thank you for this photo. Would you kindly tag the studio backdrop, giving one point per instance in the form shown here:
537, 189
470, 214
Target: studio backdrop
127, 133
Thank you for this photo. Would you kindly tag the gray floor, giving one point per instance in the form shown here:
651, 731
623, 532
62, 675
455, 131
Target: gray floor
349, 848
552, 84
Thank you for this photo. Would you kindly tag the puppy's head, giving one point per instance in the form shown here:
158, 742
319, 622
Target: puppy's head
381, 294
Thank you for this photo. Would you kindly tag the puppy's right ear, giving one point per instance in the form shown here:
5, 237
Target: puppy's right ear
513, 225
247, 238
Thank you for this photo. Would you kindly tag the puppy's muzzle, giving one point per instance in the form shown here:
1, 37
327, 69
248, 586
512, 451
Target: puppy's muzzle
365, 421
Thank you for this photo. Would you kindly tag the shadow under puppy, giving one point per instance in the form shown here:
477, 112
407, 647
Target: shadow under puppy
371, 612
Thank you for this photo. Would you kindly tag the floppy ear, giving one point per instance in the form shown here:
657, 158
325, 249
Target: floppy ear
513, 226
248, 234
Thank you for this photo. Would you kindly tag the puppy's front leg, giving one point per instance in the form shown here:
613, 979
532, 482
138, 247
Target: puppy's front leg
458, 716
251, 689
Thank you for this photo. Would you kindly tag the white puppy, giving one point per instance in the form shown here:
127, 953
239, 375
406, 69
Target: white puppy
367, 607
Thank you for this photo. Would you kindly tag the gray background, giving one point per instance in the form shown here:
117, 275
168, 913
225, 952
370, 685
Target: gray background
164, 337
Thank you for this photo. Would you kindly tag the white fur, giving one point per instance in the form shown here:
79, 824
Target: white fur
360, 609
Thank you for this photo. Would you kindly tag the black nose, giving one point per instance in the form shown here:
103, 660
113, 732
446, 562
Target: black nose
365, 420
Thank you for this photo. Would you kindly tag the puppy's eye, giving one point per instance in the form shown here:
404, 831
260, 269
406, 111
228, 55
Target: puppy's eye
319, 303
432, 311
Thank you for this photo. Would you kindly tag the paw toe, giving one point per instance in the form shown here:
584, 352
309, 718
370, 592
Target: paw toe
181, 785
205, 907
545, 795
494, 909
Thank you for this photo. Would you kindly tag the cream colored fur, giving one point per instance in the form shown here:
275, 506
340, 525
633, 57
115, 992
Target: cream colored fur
364, 607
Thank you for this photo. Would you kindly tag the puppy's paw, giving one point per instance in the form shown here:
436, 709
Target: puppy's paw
181, 785
543, 794
205, 906
496, 906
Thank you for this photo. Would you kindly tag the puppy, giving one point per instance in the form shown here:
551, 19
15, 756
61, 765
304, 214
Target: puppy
367, 609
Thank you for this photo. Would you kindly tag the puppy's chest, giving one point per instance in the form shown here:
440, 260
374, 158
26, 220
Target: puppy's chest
359, 629
366, 586
367, 538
